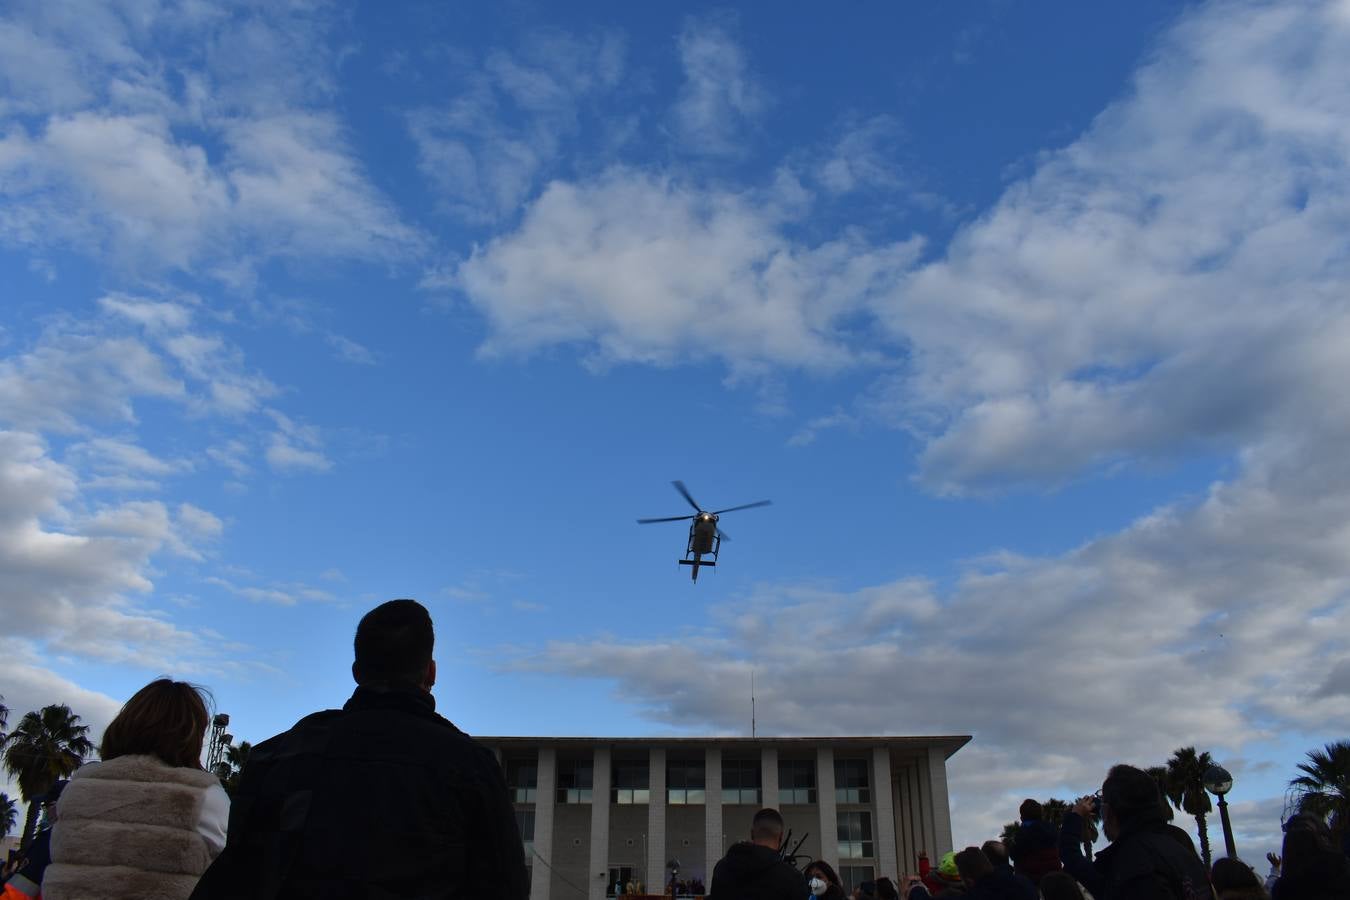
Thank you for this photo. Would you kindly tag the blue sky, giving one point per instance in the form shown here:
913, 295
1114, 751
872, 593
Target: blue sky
1030, 321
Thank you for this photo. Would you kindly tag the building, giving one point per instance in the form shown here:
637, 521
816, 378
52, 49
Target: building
596, 811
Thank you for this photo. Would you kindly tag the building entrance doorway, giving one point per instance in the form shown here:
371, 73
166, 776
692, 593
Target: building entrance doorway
619, 879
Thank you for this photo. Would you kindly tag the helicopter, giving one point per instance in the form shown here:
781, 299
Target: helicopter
705, 538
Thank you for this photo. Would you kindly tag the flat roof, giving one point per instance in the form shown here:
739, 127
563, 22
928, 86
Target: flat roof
950, 743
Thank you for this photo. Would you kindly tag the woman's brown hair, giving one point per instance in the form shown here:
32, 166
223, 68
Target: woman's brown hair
166, 719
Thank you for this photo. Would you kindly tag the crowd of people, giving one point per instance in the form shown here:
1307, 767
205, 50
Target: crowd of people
434, 818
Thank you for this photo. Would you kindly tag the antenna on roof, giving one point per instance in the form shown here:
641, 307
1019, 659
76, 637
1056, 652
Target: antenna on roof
752, 703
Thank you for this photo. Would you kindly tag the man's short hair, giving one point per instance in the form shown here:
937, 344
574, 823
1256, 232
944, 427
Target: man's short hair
1132, 793
393, 643
767, 825
973, 864
1030, 811
996, 852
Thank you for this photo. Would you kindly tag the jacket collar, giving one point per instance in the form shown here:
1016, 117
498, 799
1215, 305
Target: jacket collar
386, 696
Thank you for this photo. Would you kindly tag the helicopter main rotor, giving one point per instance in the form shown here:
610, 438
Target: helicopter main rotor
700, 512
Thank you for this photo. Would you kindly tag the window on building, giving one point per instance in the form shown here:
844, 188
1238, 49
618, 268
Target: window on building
852, 876
574, 780
796, 781
525, 822
850, 781
740, 782
630, 782
855, 835
521, 777
684, 782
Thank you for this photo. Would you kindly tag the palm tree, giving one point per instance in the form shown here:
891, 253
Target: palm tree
1159, 774
1009, 835
9, 814
1324, 786
47, 746
1052, 812
236, 756
1186, 790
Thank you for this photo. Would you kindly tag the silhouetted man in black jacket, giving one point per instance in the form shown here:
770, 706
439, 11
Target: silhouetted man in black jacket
754, 870
380, 799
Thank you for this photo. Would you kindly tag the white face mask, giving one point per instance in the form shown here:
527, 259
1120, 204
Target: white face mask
817, 887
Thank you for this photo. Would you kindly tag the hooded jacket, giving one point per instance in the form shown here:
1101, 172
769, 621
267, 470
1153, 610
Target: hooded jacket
134, 826
754, 872
1149, 860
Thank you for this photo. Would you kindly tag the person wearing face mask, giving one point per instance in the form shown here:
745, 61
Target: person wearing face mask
824, 882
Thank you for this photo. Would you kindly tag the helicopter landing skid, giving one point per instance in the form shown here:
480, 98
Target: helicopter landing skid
699, 562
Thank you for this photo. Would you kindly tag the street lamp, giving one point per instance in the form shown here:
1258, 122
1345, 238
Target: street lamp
215, 748
1218, 782
674, 866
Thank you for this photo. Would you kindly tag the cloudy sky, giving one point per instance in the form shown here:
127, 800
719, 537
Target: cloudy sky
1031, 321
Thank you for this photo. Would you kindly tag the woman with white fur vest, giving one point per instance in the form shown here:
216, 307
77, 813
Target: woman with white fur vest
147, 820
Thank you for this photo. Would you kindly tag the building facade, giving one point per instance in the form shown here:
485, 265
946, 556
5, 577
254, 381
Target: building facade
599, 811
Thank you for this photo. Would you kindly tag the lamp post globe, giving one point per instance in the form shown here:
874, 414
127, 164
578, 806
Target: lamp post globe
1219, 781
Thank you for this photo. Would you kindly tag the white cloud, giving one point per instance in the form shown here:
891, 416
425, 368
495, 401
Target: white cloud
720, 97
1172, 280
863, 158
294, 446
66, 574
152, 315
122, 464
808, 433
279, 594
350, 351
105, 146
487, 148
232, 456
638, 268
80, 373
198, 522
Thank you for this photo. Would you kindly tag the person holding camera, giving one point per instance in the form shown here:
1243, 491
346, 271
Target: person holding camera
1148, 858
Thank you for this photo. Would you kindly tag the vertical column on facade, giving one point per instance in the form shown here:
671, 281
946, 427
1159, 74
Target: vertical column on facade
925, 805
600, 772
768, 779
545, 793
907, 850
942, 814
656, 821
712, 832
829, 821
914, 808
887, 854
